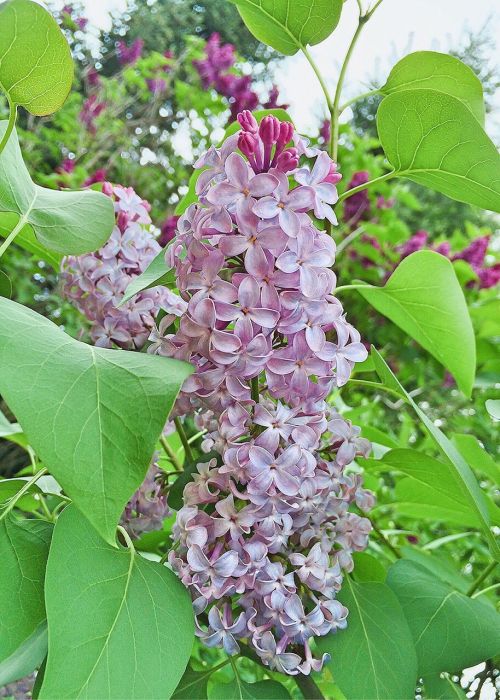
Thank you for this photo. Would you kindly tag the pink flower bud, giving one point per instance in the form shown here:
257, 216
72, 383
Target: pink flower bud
247, 121
269, 130
333, 176
107, 188
286, 133
288, 160
247, 143
122, 220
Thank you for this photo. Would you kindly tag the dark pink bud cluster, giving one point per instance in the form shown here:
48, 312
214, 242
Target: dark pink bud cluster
214, 72
474, 254
128, 55
96, 282
265, 532
91, 109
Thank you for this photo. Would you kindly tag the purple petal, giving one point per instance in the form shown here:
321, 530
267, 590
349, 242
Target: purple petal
266, 208
237, 171
262, 185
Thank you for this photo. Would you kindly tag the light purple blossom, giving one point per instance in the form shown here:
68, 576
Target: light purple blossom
265, 533
96, 282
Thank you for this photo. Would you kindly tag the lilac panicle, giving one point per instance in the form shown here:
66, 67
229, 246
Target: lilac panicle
96, 282
265, 533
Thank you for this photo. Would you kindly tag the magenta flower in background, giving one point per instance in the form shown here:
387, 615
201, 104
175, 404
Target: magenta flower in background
168, 230
91, 109
357, 205
269, 342
128, 55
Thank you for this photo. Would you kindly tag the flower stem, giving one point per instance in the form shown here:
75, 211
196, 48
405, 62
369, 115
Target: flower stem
12, 502
334, 134
374, 385
170, 453
10, 124
363, 95
17, 228
254, 388
384, 539
349, 239
184, 440
365, 185
345, 287
482, 577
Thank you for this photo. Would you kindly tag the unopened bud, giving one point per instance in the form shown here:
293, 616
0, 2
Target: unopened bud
269, 130
247, 121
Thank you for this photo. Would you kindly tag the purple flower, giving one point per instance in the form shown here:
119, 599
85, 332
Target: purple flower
325, 193
241, 187
96, 282
357, 205
281, 472
222, 631
266, 528
285, 204
128, 55
308, 260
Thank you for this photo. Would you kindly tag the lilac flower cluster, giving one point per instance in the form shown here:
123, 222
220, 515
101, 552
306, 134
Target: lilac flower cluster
147, 509
96, 282
214, 69
265, 531
128, 55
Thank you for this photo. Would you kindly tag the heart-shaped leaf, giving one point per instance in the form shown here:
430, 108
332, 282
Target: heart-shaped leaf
471, 450
24, 547
119, 626
193, 684
36, 68
449, 450
93, 415
288, 26
441, 620
435, 140
437, 71
424, 298
377, 644
63, 221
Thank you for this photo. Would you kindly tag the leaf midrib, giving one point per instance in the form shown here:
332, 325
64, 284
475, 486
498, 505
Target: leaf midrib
115, 621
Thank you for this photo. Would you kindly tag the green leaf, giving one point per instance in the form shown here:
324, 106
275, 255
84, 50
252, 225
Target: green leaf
240, 690
190, 197
440, 567
434, 140
424, 298
92, 415
193, 684
463, 470
10, 487
157, 273
24, 546
442, 688
474, 454
432, 490
27, 240
441, 72
367, 568
374, 657
289, 26
450, 630
119, 626
63, 221
36, 68
5, 285
26, 658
